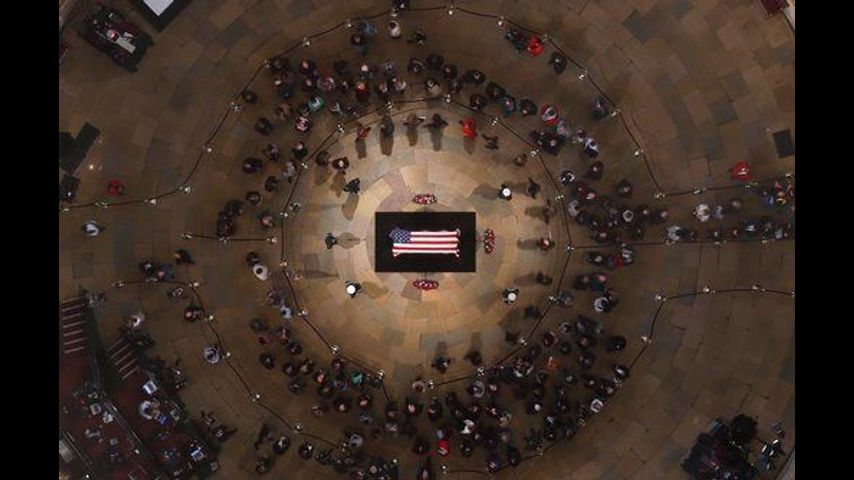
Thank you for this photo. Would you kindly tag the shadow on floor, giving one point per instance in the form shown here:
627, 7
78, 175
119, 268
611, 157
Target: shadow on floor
347, 240
338, 183
486, 191
526, 280
317, 274
386, 144
529, 244
349, 207
536, 212
412, 136
361, 149
373, 290
321, 175
469, 144
436, 139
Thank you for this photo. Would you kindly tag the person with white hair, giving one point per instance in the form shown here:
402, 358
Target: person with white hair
136, 320
261, 271
213, 354
509, 295
703, 212
591, 148
352, 288
674, 233
92, 229
394, 29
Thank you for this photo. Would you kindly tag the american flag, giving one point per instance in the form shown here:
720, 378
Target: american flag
438, 242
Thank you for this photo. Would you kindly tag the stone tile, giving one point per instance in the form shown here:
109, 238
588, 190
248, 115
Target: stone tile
713, 146
235, 32
679, 8
82, 265
143, 132
734, 85
637, 26
225, 14
301, 8
723, 112
392, 337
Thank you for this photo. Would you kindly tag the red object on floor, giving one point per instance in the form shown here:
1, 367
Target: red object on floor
425, 284
740, 171
424, 198
115, 188
469, 128
488, 241
535, 46
774, 6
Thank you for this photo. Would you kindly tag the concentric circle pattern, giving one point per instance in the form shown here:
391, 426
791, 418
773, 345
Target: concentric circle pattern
688, 89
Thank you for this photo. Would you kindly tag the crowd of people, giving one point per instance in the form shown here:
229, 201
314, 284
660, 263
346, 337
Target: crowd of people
555, 381
541, 379
776, 222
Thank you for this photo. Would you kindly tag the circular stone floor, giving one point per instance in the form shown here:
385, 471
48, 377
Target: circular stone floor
701, 84
467, 307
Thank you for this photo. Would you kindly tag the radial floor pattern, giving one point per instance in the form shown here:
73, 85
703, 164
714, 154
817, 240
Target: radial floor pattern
695, 86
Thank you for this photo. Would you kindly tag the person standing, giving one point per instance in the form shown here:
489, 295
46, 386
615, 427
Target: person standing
740, 171
252, 165
591, 148
504, 192
341, 164
558, 62
413, 121
352, 288
545, 243
441, 364
437, 123
509, 295
92, 229
624, 189
386, 127
253, 197
299, 150
330, 240
394, 29
182, 257
362, 132
115, 188
353, 186
289, 171
469, 128
263, 126
491, 142
600, 109
596, 171
418, 38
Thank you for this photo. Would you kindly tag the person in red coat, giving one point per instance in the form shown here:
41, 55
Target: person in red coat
444, 447
115, 188
740, 171
469, 128
535, 46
